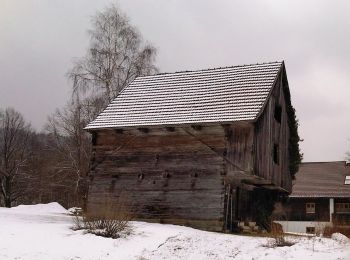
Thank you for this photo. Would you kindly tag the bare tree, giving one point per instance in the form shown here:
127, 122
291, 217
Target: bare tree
41, 174
14, 136
71, 143
116, 56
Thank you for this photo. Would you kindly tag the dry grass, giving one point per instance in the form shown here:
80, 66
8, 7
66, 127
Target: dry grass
279, 237
111, 220
328, 231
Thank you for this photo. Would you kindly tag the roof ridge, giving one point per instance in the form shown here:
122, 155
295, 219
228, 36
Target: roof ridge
209, 69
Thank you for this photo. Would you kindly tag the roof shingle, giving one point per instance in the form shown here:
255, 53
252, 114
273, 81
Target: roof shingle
205, 96
321, 179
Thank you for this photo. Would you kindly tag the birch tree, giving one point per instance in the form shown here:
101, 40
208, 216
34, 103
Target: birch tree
117, 55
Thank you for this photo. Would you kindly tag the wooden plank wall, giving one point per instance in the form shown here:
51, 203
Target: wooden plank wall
240, 138
268, 132
173, 176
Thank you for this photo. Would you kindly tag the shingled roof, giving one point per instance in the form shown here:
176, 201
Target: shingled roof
322, 179
205, 96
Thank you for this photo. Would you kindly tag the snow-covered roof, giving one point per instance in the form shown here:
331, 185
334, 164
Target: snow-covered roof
322, 179
227, 94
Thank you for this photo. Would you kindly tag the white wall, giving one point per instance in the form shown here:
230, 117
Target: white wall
300, 226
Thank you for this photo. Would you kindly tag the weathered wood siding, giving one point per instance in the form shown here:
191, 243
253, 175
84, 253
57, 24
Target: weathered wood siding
268, 133
169, 175
239, 138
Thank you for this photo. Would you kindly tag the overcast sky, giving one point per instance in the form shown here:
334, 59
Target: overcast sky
40, 38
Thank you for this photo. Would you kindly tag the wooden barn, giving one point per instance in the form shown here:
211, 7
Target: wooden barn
196, 148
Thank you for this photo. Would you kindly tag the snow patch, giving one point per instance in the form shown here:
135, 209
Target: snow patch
75, 211
49, 208
340, 238
42, 232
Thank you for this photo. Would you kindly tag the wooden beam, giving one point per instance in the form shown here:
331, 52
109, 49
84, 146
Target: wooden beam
144, 130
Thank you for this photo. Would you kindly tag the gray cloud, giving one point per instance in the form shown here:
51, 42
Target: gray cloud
39, 39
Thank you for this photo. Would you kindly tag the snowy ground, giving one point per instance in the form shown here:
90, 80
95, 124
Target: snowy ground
43, 232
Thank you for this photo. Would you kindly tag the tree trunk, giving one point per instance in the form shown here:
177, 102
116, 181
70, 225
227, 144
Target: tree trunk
7, 196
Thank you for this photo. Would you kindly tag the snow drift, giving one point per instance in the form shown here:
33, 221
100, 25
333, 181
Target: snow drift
44, 232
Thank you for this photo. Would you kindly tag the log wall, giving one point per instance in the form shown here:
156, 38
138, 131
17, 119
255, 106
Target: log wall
169, 175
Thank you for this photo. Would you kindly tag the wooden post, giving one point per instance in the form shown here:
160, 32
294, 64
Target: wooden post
227, 203
331, 209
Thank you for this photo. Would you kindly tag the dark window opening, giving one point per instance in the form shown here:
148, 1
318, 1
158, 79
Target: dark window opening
166, 175
276, 154
278, 113
310, 230
94, 138
194, 174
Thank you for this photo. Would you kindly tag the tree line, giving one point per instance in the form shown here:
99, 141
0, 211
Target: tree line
53, 165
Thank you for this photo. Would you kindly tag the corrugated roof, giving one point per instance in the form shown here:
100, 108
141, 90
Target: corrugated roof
206, 96
321, 179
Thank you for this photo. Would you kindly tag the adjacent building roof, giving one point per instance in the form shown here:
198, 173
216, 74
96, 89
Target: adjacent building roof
205, 96
322, 179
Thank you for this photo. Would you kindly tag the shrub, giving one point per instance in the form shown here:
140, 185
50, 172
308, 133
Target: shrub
111, 220
279, 238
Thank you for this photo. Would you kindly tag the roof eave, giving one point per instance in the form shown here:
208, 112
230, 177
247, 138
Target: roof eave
91, 129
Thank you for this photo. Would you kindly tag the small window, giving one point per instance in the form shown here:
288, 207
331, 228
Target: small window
310, 230
278, 113
276, 153
342, 207
310, 208
347, 180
